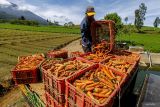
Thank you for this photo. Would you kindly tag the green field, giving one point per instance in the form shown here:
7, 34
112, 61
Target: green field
14, 43
53, 29
149, 39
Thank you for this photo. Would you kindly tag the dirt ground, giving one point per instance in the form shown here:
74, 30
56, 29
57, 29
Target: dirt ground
74, 46
14, 98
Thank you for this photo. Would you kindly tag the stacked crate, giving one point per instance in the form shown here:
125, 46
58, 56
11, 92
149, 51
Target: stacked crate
55, 86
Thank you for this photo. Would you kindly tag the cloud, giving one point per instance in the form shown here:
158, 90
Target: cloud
52, 12
27, 7
74, 11
90, 1
5, 2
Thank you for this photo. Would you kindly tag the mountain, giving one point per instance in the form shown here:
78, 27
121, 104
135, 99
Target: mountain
12, 11
4, 15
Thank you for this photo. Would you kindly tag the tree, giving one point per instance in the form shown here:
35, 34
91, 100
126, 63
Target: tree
116, 18
56, 23
70, 23
66, 24
140, 16
156, 22
126, 19
22, 18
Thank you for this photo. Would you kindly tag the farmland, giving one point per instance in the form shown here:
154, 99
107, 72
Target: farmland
149, 39
53, 29
14, 43
18, 40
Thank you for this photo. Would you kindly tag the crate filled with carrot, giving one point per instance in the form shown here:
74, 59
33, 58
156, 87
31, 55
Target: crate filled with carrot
56, 71
95, 86
27, 69
120, 64
76, 54
129, 56
57, 54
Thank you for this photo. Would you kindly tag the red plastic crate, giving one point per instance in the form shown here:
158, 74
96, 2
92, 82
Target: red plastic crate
58, 84
76, 54
130, 69
62, 54
25, 76
51, 102
103, 30
60, 98
80, 99
125, 53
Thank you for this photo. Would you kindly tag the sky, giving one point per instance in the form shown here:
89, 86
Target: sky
74, 10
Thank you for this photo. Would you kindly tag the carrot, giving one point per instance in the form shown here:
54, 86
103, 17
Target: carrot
92, 75
89, 88
111, 73
89, 82
119, 78
79, 81
108, 93
90, 94
83, 86
100, 95
104, 99
97, 90
106, 83
79, 84
93, 85
107, 74
104, 91
127, 66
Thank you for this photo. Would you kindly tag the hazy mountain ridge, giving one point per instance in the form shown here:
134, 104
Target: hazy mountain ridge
12, 11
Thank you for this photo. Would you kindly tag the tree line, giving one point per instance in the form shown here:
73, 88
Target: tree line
138, 22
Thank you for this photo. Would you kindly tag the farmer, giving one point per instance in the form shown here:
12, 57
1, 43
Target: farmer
86, 29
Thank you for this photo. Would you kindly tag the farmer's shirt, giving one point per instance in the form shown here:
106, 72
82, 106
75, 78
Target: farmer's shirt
86, 32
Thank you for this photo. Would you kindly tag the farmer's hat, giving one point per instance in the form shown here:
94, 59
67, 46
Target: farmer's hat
90, 11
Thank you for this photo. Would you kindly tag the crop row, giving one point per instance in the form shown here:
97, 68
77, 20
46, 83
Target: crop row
53, 29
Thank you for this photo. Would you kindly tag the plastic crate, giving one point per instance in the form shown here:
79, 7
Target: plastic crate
57, 54
47, 61
58, 85
60, 98
26, 76
125, 53
132, 64
51, 102
103, 30
75, 98
76, 54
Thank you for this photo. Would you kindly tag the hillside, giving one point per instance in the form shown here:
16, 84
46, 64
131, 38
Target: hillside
12, 11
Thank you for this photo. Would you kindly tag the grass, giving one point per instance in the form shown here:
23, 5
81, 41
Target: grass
149, 39
53, 29
14, 43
